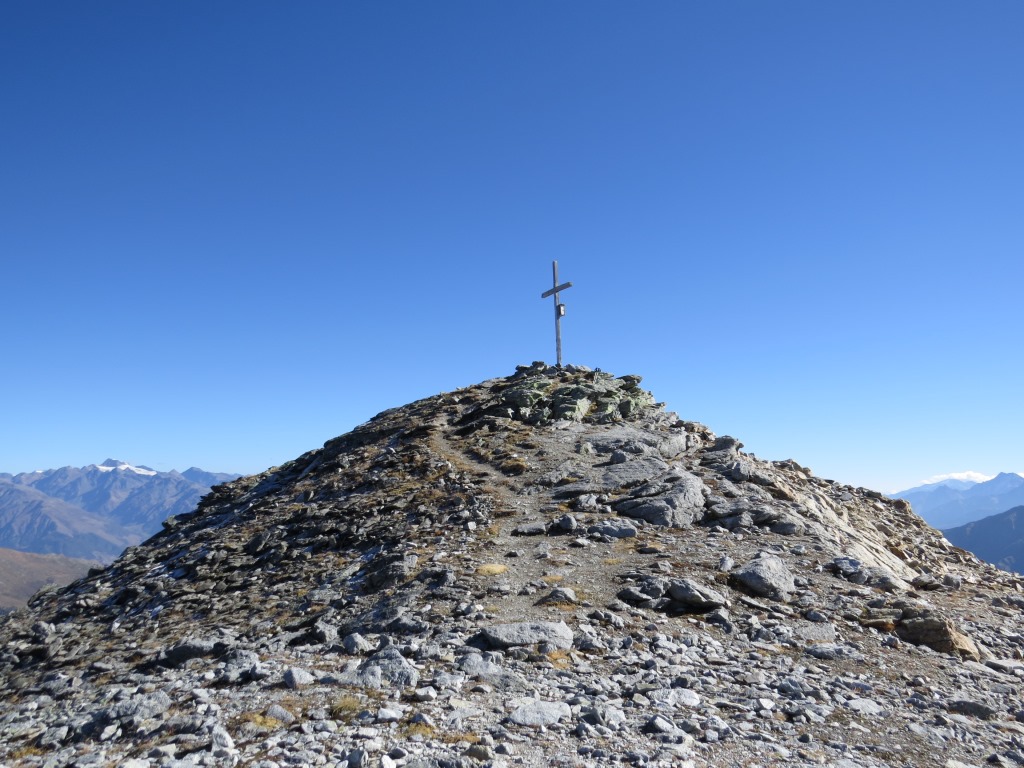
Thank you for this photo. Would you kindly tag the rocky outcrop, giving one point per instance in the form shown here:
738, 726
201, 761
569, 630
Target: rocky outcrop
543, 569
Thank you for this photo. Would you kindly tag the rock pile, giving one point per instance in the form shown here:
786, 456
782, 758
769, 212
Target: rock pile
546, 569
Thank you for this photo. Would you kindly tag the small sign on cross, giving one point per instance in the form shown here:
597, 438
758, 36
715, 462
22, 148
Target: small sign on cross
559, 309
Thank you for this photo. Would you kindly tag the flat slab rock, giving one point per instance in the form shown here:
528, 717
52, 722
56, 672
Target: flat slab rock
633, 472
538, 713
529, 633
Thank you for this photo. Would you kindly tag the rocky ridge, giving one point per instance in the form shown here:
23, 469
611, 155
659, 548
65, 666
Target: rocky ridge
543, 569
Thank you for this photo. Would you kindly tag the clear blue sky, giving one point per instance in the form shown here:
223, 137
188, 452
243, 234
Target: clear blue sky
230, 231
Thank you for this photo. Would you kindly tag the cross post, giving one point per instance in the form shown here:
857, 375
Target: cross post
559, 309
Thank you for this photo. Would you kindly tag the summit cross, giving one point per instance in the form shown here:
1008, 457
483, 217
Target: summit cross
559, 309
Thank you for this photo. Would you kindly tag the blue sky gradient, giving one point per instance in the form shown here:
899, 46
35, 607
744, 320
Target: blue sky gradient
232, 231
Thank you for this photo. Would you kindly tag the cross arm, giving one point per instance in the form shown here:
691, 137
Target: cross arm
556, 289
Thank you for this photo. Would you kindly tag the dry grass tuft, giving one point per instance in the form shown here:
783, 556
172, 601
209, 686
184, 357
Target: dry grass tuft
514, 466
457, 736
560, 659
422, 730
345, 708
491, 569
29, 750
260, 720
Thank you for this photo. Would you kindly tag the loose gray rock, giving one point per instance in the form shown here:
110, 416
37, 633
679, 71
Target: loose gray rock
533, 528
832, 651
972, 708
295, 677
356, 645
694, 596
558, 596
766, 576
865, 706
278, 712
529, 633
538, 713
388, 665
142, 707
616, 529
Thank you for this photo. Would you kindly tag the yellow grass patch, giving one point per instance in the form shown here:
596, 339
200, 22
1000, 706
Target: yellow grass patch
491, 569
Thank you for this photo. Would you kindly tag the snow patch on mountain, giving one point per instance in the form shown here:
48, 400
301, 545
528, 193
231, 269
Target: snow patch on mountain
113, 465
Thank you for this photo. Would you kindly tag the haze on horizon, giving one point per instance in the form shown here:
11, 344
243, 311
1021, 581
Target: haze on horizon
233, 232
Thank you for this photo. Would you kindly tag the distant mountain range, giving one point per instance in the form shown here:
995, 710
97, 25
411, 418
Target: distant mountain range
954, 503
998, 539
94, 512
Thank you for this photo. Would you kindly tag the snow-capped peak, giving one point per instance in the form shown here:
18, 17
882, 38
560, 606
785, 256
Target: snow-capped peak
111, 465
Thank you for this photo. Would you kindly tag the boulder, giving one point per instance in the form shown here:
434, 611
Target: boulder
680, 507
694, 596
939, 634
616, 529
529, 633
766, 576
536, 713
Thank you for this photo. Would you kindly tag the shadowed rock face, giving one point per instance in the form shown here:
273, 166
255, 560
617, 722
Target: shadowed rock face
543, 569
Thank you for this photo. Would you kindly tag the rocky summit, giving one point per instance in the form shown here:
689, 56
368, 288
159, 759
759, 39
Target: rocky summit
546, 569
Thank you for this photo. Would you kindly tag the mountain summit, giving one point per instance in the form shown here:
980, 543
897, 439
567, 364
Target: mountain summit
114, 464
546, 569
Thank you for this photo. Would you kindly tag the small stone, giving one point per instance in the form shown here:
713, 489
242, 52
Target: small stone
865, 706
535, 528
388, 715
479, 752
355, 644
427, 693
616, 529
220, 739
559, 596
296, 677
659, 724
278, 712
565, 523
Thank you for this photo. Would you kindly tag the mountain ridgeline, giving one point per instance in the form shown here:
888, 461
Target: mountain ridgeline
949, 506
997, 539
94, 512
545, 569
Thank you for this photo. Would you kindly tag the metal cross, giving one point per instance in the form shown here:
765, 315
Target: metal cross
559, 309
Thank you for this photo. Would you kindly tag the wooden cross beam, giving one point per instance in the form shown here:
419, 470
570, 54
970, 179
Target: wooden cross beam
559, 309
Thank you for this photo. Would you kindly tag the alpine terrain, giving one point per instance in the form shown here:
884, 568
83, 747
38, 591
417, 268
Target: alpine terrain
94, 512
546, 569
